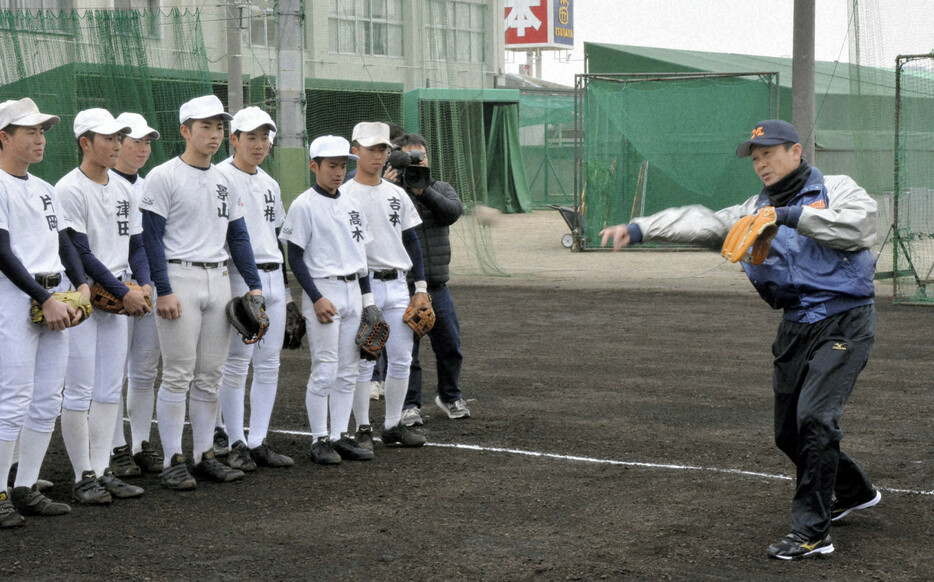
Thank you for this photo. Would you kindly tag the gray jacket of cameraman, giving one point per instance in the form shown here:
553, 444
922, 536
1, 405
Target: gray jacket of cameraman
440, 207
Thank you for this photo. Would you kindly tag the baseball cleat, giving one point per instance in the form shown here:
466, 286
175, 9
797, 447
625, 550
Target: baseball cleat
211, 468
9, 517
411, 417
840, 509
266, 457
221, 442
239, 457
323, 453
122, 463
794, 546
117, 488
28, 501
454, 410
401, 435
89, 490
148, 459
364, 437
348, 449
176, 475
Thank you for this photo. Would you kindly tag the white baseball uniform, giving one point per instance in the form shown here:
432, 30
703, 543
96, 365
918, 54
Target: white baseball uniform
333, 232
389, 211
198, 205
33, 357
142, 364
107, 214
263, 214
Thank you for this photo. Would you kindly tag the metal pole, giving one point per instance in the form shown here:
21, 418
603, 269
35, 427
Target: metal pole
234, 59
803, 108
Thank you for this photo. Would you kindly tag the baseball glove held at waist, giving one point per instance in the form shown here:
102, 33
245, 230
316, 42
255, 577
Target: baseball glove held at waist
247, 315
106, 301
76, 300
419, 315
372, 333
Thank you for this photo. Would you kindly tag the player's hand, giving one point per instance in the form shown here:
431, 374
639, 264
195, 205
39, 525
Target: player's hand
256, 291
325, 310
59, 316
168, 306
619, 234
134, 303
85, 290
421, 299
147, 291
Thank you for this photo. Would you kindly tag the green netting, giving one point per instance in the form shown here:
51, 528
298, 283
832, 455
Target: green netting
547, 135
108, 59
913, 243
655, 141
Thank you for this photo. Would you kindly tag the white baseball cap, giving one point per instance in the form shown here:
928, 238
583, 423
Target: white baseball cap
100, 121
371, 133
250, 118
24, 112
203, 108
331, 146
138, 126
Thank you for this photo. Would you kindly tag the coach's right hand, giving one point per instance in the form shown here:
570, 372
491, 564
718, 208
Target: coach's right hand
168, 306
619, 234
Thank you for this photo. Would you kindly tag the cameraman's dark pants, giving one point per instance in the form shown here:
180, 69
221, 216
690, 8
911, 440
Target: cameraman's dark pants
445, 339
816, 365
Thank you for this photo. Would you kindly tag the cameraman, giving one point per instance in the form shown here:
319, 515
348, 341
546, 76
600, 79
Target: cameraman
439, 207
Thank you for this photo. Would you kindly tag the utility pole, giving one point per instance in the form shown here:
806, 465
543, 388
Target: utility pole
234, 57
803, 105
290, 102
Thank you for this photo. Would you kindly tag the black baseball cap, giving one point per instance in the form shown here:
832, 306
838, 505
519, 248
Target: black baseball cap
768, 133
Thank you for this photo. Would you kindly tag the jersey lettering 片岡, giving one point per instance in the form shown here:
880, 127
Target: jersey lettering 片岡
29, 213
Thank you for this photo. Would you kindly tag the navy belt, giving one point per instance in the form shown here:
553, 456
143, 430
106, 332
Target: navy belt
267, 266
386, 275
48, 280
199, 264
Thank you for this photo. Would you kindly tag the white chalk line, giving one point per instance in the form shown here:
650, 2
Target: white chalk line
613, 462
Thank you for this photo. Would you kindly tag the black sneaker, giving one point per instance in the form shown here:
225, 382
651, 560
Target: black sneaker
239, 457
349, 450
401, 435
9, 517
122, 464
176, 475
221, 443
149, 459
794, 546
28, 501
266, 457
364, 437
323, 453
117, 488
840, 508
89, 490
211, 468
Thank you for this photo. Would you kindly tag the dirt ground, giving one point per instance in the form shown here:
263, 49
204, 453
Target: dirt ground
621, 430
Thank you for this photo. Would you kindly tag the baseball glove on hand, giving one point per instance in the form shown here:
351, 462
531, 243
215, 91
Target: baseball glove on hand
294, 327
76, 300
248, 316
372, 333
751, 237
106, 301
419, 315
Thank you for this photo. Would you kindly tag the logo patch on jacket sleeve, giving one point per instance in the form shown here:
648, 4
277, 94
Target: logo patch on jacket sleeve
818, 204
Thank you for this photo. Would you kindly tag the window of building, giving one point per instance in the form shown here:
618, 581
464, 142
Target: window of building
455, 31
150, 15
369, 27
263, 26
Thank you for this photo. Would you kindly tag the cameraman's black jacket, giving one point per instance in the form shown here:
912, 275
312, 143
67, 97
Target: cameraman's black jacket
439, 207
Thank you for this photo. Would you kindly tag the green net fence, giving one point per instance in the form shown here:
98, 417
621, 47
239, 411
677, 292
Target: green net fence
548, 137
651, 142
119, 60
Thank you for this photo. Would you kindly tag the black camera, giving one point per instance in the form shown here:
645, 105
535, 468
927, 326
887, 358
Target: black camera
411, 174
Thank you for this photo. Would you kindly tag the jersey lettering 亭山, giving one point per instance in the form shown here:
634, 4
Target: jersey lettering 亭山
198, 204
106, 213
389, 211
28, 212
332, 230
263, 209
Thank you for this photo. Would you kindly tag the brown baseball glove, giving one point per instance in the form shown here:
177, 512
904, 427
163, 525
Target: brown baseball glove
419, 315
750, 239
106, 301
372, 333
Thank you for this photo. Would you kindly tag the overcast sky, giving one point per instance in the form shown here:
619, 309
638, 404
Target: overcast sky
755, 27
